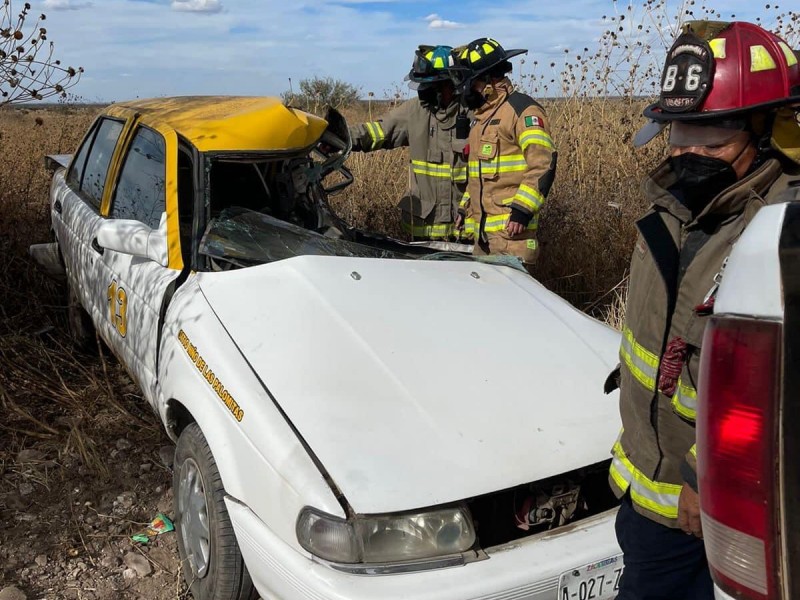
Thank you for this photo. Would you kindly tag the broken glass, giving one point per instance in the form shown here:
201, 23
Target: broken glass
242, 238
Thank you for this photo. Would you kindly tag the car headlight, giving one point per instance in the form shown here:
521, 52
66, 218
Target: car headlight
380, 539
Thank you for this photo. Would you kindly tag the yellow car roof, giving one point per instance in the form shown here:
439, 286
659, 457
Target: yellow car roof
228, 123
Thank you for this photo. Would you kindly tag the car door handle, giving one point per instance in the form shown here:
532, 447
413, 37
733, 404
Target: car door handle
97, 247
57, 206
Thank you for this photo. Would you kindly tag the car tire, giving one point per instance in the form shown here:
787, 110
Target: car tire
211, 561
79, 323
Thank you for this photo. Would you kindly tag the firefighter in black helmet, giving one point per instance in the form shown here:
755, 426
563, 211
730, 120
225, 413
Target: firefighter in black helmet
512, 158
434, 129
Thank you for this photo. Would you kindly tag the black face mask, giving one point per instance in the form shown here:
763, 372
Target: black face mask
701, 178
429, 96
473, 100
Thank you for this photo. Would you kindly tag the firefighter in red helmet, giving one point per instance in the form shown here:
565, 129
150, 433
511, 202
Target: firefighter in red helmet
721, 88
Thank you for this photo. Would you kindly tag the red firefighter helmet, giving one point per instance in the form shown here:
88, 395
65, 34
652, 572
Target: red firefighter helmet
717, 70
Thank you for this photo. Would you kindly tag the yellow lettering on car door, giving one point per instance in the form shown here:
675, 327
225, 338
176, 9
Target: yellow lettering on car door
118, 308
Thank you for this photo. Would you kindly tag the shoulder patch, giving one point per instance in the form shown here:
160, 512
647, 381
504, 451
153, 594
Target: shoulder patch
519, 102
531, 121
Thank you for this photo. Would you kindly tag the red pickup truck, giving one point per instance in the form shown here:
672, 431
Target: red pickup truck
748, 427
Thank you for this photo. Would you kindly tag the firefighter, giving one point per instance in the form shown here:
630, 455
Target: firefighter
512, 158
435, 129
721, 88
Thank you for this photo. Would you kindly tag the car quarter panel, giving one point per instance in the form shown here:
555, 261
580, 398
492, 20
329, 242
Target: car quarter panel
752, 277
261, 460
525, 570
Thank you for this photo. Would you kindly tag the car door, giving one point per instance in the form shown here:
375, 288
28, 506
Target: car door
77, 212
136, 287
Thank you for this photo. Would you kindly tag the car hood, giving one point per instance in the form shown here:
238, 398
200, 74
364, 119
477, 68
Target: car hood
418, 383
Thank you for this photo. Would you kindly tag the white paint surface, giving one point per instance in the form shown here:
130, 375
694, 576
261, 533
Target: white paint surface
751, 285
416, 383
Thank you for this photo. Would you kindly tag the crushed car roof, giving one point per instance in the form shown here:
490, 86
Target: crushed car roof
228, 123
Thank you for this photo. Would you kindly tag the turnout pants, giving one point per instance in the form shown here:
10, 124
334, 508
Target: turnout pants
661, 563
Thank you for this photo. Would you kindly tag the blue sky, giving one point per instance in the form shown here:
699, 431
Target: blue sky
143, 48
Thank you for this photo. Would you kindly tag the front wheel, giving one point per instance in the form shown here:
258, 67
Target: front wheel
212, 562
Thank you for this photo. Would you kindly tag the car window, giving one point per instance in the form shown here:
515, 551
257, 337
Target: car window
94, 176
76, 169
140, 193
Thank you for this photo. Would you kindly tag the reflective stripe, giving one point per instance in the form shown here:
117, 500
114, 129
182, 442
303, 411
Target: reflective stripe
761, 59
642, 363
464, 200
660, 498
536, 136
501, 164
376, 133
429, 169
470, 226
685, 401
442, 230
495, 223
421, 167
529, 197
791, 58
693, 450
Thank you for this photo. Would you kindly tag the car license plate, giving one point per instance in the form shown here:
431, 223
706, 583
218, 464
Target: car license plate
597, 581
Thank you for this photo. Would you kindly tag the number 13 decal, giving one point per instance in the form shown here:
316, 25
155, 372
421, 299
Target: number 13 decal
118, 308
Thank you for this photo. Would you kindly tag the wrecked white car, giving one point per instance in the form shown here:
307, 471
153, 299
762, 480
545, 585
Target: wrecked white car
350, 422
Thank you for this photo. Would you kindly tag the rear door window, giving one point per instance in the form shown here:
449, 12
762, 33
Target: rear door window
141, 190
102, 149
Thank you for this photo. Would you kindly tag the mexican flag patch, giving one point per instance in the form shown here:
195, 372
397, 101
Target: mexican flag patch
533, 122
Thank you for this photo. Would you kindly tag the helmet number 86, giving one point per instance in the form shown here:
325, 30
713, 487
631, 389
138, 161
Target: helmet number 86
692, 78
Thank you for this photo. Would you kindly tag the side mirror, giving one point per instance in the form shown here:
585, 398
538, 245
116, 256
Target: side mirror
135, 238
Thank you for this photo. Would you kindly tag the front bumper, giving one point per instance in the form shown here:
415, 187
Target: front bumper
524, 570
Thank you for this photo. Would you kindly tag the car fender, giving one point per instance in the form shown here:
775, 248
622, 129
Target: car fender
262, 461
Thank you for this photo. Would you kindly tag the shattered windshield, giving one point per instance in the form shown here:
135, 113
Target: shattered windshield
240, 238
243, 238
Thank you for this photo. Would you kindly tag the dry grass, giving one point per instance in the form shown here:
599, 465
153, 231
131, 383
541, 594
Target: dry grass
48, 394
51, 394
587, 226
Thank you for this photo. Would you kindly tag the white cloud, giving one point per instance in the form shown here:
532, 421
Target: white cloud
65, 5
204, 6
165, 53
436, 22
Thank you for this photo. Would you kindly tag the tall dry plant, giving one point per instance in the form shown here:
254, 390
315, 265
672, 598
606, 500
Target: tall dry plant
28, 67
587, 225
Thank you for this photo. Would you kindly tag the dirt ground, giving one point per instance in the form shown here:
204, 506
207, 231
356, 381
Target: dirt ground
84, 463
66, 528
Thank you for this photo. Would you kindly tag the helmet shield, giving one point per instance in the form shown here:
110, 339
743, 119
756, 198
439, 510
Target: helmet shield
712, 133
721, 70
431, 64
687, 76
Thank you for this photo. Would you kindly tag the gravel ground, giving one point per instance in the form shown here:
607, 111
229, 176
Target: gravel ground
66, 527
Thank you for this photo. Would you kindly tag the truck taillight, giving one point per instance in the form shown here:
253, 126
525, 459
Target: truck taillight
737, 454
